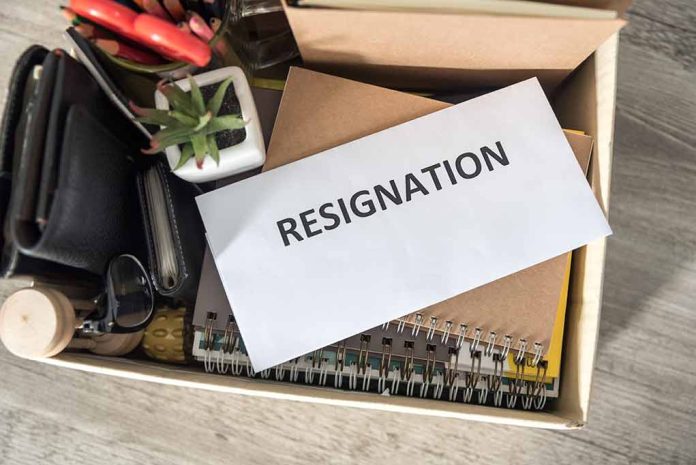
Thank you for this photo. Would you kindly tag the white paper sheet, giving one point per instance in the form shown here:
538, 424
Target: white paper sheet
291, 299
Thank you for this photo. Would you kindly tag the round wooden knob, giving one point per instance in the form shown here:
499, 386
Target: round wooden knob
36, 323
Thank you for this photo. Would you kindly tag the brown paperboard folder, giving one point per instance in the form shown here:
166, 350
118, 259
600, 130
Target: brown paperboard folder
319, 111
407, 50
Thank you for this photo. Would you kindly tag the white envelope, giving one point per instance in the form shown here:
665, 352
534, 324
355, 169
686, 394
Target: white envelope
467, 195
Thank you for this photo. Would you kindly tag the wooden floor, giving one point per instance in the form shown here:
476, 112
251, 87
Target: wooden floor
644, 397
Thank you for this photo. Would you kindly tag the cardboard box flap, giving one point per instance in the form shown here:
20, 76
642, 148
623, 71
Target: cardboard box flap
430, 51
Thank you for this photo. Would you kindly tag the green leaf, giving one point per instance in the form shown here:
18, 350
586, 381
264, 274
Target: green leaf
158, 117
186, 154
184, 119
213, 149
221, 123
177, 98
215, 103
196, 97
172, 132
202, 121
167, 137
200, 148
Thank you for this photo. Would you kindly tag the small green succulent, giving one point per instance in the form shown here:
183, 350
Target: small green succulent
190, 122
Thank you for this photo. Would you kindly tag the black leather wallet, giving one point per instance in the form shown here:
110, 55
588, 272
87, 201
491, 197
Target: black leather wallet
174, 231
72, 201
23, 95
94, 213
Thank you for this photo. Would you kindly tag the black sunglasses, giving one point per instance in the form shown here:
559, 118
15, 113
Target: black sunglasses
127, 304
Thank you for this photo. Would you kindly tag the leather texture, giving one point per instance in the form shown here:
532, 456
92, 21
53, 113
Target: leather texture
15, 122
187, 231
95, 214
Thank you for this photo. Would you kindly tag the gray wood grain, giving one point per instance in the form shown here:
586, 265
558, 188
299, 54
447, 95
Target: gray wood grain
643, 398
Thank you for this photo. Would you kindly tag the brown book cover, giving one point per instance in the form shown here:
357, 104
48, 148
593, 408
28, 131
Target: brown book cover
319, 111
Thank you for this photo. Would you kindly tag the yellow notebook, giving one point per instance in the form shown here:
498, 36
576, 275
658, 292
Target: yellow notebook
553, 356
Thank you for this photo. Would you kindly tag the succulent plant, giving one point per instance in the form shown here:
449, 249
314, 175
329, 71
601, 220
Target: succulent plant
190, 122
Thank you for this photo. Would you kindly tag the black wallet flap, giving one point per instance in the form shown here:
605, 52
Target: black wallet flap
95, 214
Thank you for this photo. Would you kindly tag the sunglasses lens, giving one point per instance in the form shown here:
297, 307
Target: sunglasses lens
129, 291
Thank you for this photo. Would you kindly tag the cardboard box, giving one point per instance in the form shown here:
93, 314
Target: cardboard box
584, 101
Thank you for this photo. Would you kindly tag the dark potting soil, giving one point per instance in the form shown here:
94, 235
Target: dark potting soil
230, 105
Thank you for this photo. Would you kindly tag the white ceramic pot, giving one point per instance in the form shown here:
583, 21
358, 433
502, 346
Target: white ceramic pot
245, 156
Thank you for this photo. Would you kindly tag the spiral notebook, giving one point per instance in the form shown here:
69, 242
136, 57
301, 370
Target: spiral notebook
470, 348
389, 360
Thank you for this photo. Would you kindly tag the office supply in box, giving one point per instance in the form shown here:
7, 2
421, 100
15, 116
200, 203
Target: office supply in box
392, 363
72, 204
509, 195
219, 345
390, 359
585, 101
303, 127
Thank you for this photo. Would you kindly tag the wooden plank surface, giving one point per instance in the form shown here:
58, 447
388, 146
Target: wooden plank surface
644, 401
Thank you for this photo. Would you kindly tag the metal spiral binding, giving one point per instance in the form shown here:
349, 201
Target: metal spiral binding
364, 353
495, 381
408, 368
417, 325
310, 368
521, 351
535, 395
280, 372
399, 327
384, 364
431, 329
323, 371
491, 341
446, 332
352, 376
429, 363
339, 364
461, 335
475, 341
538, 352
454, 390
236, 365
209, 341
227, 347
516, 385
505, 350
483, 393
294, 370
441, 376
451, 372
428, 371
396, 380
249, 369
490, 344
367, 378
472, 377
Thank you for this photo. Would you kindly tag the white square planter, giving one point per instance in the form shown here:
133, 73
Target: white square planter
245, 156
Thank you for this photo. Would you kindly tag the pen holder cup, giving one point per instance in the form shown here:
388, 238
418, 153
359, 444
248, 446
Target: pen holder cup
223, 55
233, 44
